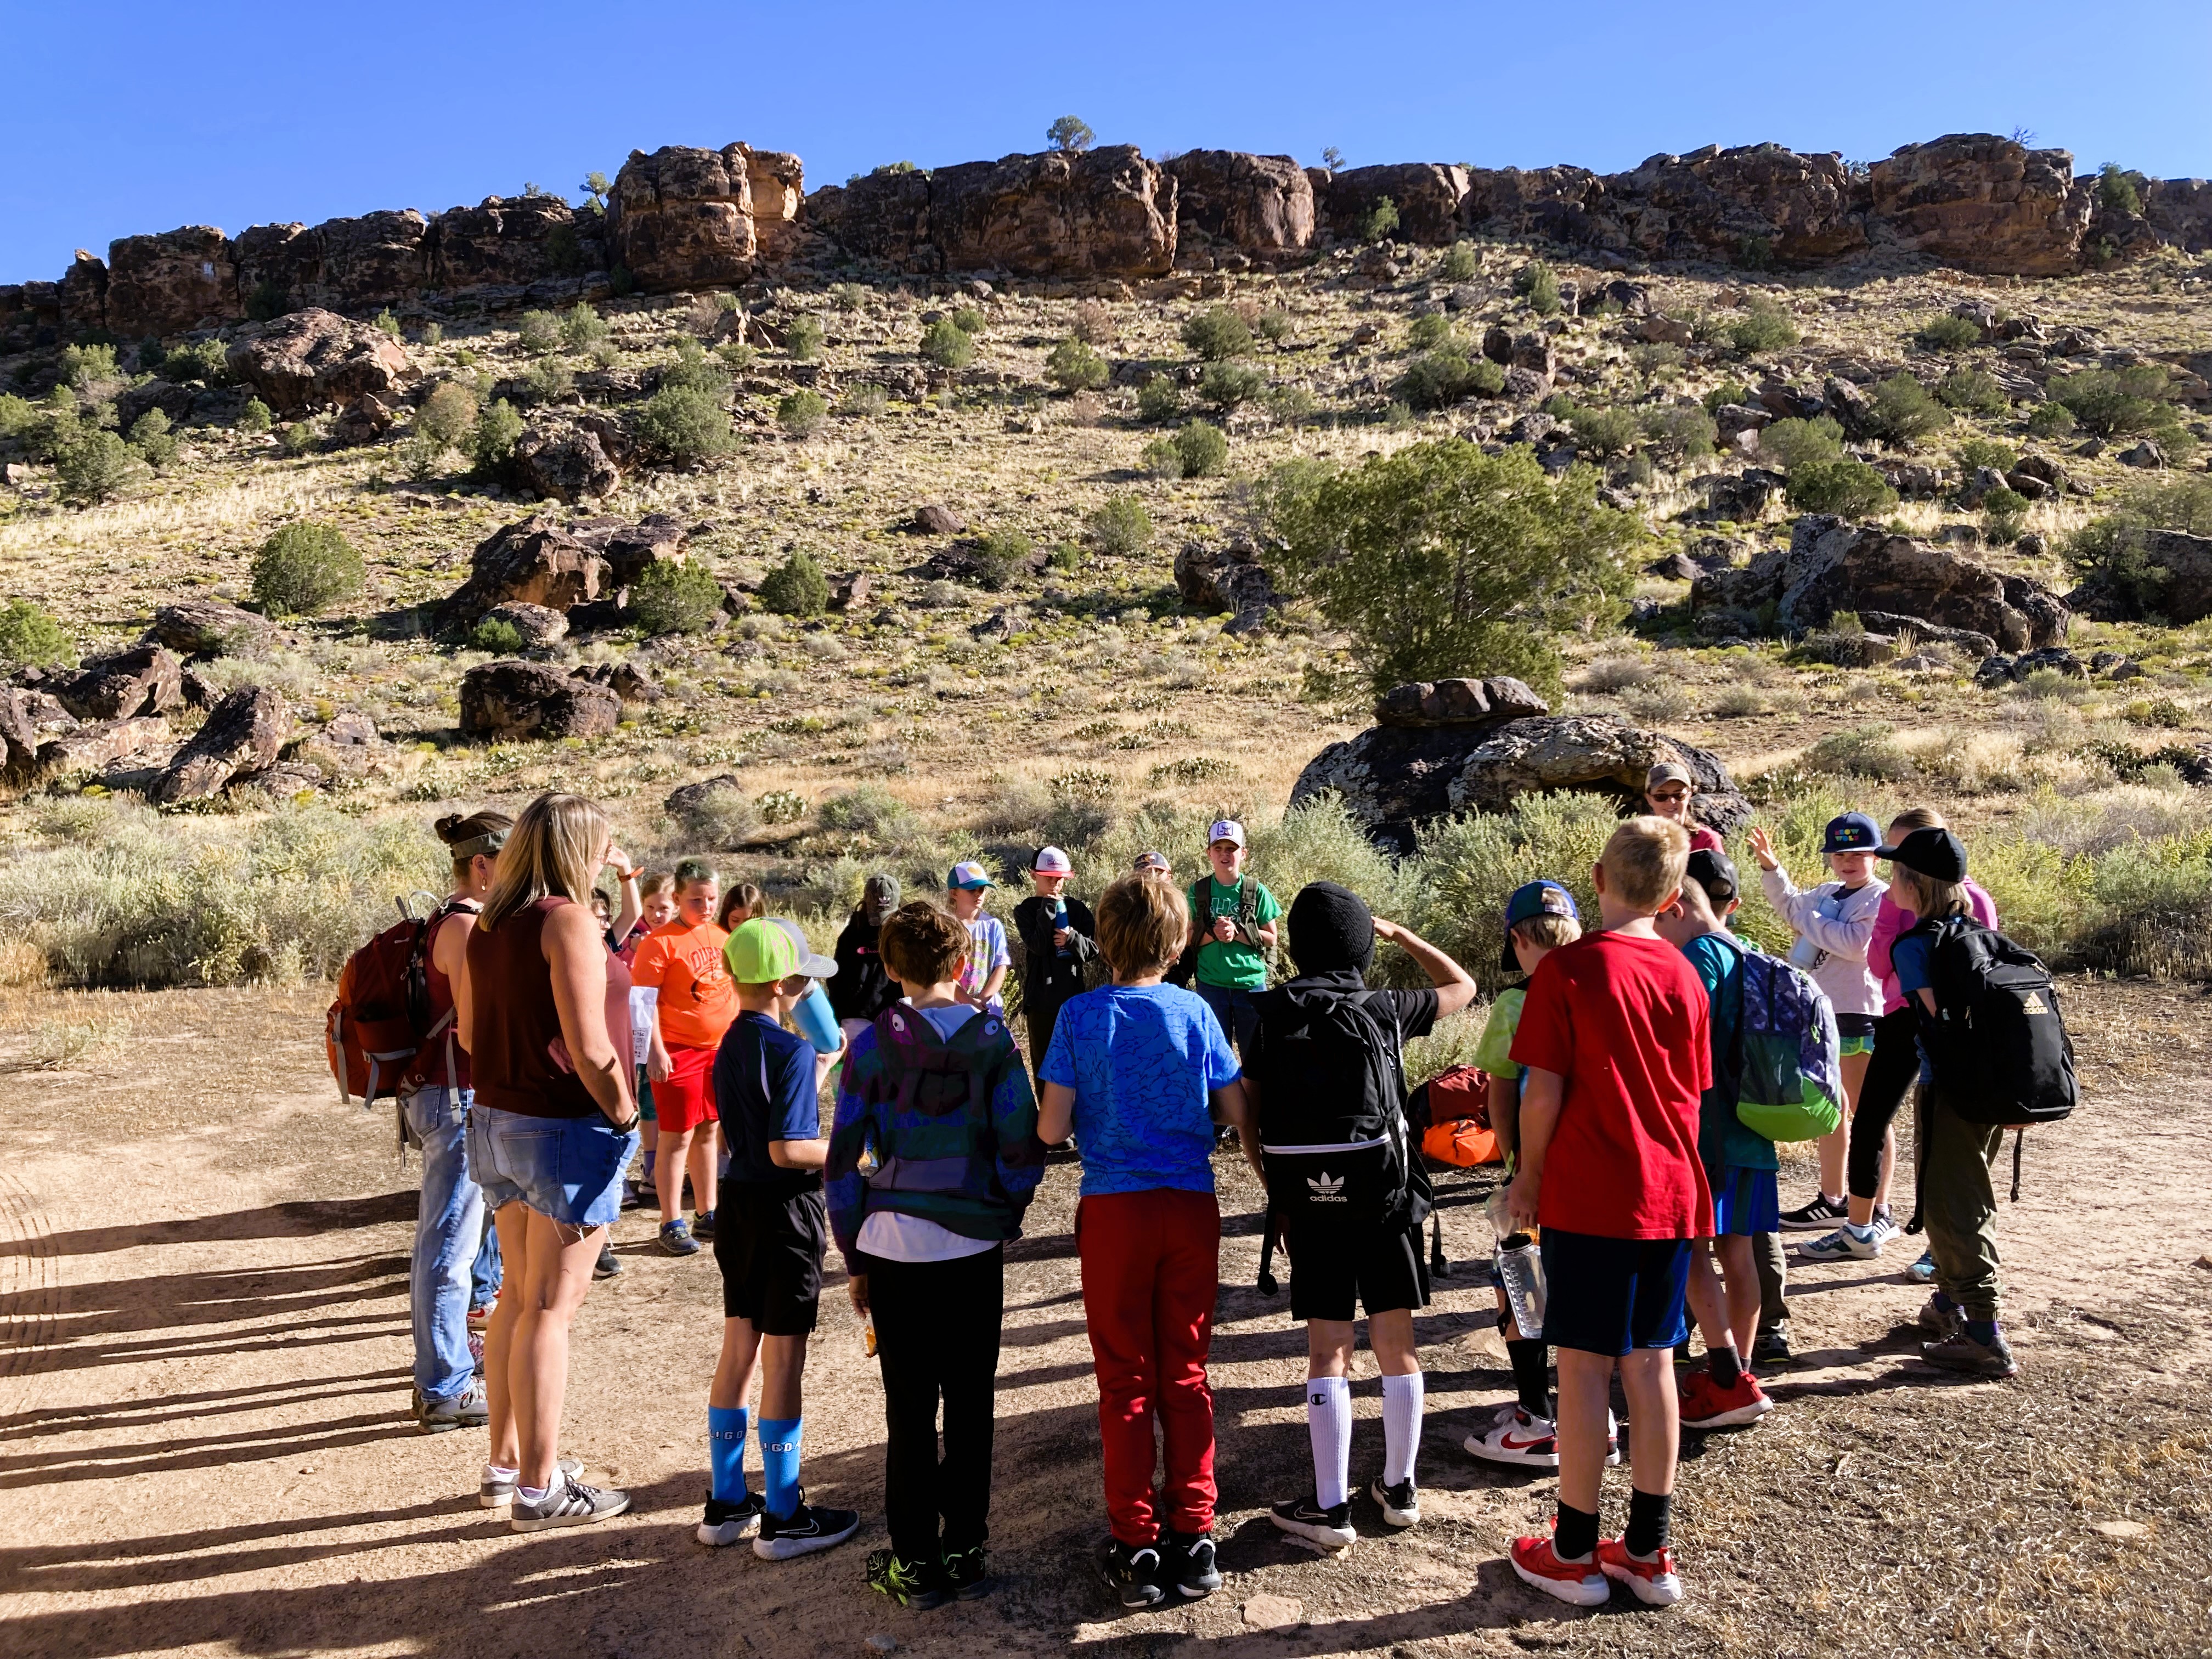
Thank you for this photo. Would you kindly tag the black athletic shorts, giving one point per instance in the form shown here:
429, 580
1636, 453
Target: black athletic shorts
768, 1243
1383, 1271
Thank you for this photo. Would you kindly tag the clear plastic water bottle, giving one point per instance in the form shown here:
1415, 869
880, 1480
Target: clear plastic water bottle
865, 1319
1521, 1276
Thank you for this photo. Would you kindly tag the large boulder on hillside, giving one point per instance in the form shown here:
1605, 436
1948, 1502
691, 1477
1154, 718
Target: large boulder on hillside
313, 358
1831, 565
682, 218
1105, 212
374, 260
147, 680
97, 746
167, 284
562, 459
245, 733
508, 242
534, 560
1454, 746
1427, 195
210, 627
776, 182
511, 700
1984, 203
1228, 578
2177, 588
630, 550
1734, 205
1259, 206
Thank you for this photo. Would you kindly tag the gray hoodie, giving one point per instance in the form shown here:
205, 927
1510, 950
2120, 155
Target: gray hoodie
1834, 928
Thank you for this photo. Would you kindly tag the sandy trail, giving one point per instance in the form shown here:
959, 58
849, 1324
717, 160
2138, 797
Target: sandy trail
204, 1438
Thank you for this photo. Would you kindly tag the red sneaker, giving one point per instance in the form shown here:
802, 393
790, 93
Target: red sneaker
1705, 1405
1655, 1584
1579, 1583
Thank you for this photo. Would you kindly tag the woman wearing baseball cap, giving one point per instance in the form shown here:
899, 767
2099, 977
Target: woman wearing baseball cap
1668, 789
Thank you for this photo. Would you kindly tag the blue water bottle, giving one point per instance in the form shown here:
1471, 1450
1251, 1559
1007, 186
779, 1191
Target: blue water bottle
816, 1021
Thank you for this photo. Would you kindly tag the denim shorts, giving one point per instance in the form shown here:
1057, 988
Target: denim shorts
568, 1168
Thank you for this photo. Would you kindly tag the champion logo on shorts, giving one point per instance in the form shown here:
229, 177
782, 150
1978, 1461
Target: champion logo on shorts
1326, 1188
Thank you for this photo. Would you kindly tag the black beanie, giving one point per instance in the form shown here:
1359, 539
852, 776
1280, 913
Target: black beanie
1332, 930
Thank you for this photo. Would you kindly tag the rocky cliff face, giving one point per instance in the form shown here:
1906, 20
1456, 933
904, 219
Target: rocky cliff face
683, 218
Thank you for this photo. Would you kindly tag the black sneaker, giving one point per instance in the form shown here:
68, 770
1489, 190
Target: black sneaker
1961, 1352
1187, 1560
1303, 1517
1822, 1214
702, 1226
1402, 1504
608, 1265
968, 1573
732, 1523
804, 1531
1132, 1572
910, 1583
1771, 1346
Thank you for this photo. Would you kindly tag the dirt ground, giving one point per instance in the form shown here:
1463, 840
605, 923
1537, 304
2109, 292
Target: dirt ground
204, 1427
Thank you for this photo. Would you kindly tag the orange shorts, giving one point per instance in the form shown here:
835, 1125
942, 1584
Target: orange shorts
686, 1100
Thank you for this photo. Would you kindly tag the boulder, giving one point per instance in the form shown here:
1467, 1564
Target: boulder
689, 800
1753, 204
851, 590
245, 733
2145, 454
536, 624
1740, 497
512, 700
1676, 567
1261, 205
508, 243
534, 560
312, 358
2184, 593
376, 260
1993, 671
1394, 778
1849, 650
1788, 403
1833, 565
19, 734
2053, 660
625, 679
1427, 195
96, 746
777, 183
560, 459
1984, 203
168, 284
1227, 578
286, 781
1733, 418
1964, 640
147, 680
209, 628
630, 550
682, 218
1105, 212
365, 420
935, 519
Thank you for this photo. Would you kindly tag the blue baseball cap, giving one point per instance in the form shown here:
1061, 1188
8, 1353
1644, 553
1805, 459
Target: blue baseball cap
1854, 832
1537, 898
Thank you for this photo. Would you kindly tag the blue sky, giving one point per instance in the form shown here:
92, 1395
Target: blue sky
135, 116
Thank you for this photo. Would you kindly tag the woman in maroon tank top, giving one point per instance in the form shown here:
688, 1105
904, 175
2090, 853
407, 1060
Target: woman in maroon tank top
552, 1130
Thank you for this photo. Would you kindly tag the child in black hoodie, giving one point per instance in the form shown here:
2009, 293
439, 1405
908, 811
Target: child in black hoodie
1058, 936
863, 986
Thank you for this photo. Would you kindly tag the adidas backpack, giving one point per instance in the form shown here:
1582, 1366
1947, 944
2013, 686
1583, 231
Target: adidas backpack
1997, 1039
381, 1018
1332, 1111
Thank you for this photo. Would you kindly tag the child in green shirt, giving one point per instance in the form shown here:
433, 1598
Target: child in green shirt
1232, 934
1540, 918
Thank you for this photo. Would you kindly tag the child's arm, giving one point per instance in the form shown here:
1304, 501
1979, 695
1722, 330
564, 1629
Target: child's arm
1001, 960
1845, 939
1454, 985
1542, 1094
1505, 1117
1056, 1114
1236, 1103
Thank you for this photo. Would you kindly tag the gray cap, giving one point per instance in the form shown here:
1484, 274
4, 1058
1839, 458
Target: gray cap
879, 898
809, 961
1668, 772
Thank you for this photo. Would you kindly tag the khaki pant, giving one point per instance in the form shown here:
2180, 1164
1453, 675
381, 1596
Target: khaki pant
1958, 1202
1773, 1277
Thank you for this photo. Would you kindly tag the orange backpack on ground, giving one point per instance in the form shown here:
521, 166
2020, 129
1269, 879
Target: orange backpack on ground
1457, 1105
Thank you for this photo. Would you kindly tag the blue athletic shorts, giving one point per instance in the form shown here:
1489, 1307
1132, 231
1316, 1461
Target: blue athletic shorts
1745, 1202
1613, 1296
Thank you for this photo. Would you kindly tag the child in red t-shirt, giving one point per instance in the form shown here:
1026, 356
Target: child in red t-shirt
1615, 1037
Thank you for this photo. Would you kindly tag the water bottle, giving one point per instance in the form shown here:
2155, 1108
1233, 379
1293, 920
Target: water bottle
1521, 1276
1060, 921
816, 1021
865, 1319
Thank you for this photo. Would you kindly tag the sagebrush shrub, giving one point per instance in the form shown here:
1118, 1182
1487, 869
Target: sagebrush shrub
255, 417
1002, 556
1159, 400
1973, 392
1764, 326
864, 401
801, 412
677, 598
548, 381
2050, 420
1427, 331
1461, 263
1987, 451
1903, 411
2117, 402
1120, 525
797, 588
496, 634
1838, 483
1074, 367
151, 437
581, 327
1381, 222
1202, 448
538, 331
1949, 333
968, 321
1272, 327
1539, 284
1437, 379
947, 345
305, 568
1604, 431
84, 367
446, 414
1684, 428
493, 438
1217, 334
94, 467
203, 361
802, 340
29, 636
1228, 386
684, 426
1790, 444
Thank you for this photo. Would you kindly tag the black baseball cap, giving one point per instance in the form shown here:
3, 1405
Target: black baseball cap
1935, 853
1715, 872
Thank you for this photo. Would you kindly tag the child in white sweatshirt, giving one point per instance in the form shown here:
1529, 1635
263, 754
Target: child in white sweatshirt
1834, 923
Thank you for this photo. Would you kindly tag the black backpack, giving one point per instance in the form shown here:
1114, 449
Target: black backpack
1997, 1039
1332, 1112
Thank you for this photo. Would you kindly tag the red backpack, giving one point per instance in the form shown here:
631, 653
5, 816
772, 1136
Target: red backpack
381, 1019
1455, 1107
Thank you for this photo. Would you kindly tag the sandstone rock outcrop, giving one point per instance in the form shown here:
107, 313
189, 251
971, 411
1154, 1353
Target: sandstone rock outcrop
311, 358
1751, 204
563, 460
1259, 206
1229, 579
147, 680
1427, 194
82, 296
245, 733
164, 284
1984, 203
1453, 746
682, 218
278, 266
377, 260
513, 699
508, 242
534, 624
534, 560
210, 627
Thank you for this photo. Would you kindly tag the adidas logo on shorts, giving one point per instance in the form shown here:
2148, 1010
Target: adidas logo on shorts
1326, 1188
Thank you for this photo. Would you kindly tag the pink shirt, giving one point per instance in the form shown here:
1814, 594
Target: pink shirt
1889, 922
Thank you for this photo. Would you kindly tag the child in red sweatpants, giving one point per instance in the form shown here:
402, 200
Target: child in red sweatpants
1133, 1070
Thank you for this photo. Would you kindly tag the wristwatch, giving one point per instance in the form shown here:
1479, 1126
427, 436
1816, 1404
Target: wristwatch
635, 1118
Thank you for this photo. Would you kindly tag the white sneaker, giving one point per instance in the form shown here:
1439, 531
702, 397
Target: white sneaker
1522, 1438
1846, 1244
567, 1503
497, 1489
1886, 1227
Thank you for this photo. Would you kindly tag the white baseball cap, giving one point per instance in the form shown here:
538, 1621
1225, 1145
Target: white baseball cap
1051, 861
1225, 830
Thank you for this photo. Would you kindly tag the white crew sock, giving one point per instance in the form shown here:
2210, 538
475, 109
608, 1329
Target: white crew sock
1402, 1426
1328, 1423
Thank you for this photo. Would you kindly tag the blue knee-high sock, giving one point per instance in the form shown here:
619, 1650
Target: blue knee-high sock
779, 1444
726, 1450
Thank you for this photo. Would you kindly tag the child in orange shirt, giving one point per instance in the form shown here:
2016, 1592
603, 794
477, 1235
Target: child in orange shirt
693, 1005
